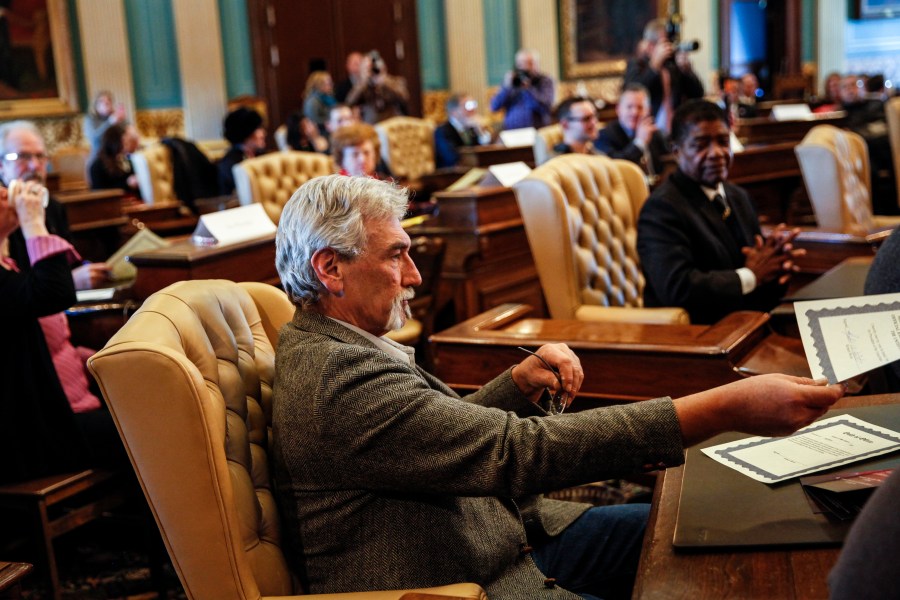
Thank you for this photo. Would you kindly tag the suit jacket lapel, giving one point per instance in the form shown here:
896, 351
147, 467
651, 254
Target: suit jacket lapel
691, 190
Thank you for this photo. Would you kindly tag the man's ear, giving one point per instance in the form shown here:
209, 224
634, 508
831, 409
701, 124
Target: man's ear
327, 265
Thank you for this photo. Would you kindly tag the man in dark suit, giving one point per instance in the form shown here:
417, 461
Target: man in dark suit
387, 479
460, 129
633, 135
698, 236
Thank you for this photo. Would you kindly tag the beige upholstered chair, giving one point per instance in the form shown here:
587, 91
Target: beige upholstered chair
892, 109
153, 169
188, 381
546, 138
272, 178
407, 146
835, 167
580, 214
70, 163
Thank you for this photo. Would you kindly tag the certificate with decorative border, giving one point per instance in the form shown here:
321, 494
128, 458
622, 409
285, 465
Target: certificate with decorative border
848, 336
824, 444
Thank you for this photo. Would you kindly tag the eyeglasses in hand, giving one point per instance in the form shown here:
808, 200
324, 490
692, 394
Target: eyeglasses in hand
558, 400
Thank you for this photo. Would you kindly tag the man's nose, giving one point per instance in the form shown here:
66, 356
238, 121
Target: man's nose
411, 275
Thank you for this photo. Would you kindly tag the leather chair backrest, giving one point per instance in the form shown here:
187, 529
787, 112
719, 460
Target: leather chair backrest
153, 169
271, 179
892, 110
407, 146
546, 138
835, 167
188, 381
580, 214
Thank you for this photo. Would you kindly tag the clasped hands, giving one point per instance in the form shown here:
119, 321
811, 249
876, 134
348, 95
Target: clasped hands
773, 257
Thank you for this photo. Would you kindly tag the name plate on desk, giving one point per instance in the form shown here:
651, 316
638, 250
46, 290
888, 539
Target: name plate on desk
516, 138
507, 174
234, 225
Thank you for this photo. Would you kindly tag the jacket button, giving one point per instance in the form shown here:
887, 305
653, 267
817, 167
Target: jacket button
550, 582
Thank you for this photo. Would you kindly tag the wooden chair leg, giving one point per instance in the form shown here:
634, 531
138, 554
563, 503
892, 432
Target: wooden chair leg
43, 525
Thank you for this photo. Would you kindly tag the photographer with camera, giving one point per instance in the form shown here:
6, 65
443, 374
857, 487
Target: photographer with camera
378, 95
526, 94
662, 65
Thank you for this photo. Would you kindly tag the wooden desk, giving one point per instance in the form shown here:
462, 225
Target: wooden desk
252, 260
763, 130
488, 260
764, 574
845, 280
623, 362
494, 154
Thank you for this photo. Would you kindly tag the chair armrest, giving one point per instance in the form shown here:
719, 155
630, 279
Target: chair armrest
457, 591
621, 314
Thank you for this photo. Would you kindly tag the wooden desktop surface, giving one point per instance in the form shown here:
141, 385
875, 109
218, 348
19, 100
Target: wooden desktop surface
764, 130
253, 260
494, 154
663, 574
622, 361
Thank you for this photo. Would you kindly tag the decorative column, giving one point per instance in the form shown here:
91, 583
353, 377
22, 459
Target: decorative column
539, 31
202, 68
465, 49
831, 40
104, 48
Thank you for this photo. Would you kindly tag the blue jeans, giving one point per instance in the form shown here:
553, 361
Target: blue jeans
597, 555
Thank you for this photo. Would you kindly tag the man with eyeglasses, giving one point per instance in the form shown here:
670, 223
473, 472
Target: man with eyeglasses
24, 157
460, 129
578, 119
387, 479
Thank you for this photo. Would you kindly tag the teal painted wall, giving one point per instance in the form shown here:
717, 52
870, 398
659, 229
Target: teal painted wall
808, 31
154, 53
501, 37
236, 50
432, 23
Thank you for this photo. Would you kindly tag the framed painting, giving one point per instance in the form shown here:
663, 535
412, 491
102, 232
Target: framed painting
37, 77
599, 36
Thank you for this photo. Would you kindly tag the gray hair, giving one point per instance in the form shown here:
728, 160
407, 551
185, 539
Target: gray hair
329, 212
7, 128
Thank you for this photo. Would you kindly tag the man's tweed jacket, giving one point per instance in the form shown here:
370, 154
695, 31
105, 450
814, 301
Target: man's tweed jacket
386, 479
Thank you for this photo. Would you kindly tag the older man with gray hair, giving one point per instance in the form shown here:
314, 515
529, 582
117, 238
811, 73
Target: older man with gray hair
386, 478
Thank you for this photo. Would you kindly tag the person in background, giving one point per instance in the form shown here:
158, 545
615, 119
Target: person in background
379, 463
460, 129
38, 432
750, 92
112, 168
831, 98
356, 150
104, 113
526, 94
378, 94
244, 129
666, 73
318, 98
578, 119
698, 236
354, 67
303, 135
633, 135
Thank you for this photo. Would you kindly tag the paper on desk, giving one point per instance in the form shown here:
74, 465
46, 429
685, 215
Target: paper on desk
516, 138
235, 225
97, 295
509, 174
143, 240
844, 337
824, 444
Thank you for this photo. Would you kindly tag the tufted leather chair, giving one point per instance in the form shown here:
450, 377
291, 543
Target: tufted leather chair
271, 179
835, 167
153, 169
546, 138
580, 214
407, 146
188, 381
892, 110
